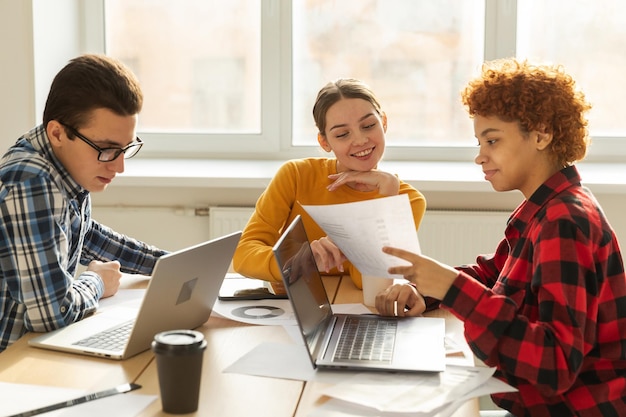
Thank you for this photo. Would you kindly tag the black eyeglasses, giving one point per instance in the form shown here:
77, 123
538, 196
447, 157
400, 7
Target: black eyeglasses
109, 154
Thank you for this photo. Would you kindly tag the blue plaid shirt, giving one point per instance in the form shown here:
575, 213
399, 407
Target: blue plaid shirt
46, 229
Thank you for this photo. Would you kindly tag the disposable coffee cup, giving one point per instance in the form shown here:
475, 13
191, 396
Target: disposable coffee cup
179, 356
372, 286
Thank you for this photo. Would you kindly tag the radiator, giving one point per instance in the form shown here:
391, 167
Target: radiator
456, 237
451, 236
224, 220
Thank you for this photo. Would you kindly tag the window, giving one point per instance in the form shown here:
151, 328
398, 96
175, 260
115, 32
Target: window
416, 55
589, 39
199, 65
239, 78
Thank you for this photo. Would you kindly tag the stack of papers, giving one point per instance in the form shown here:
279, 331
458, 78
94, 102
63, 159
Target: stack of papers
373, 394
385, 395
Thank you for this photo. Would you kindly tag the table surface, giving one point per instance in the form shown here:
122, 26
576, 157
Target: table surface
221, 393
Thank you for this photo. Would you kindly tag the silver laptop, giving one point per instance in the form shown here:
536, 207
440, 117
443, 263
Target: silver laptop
180, 295
355, 342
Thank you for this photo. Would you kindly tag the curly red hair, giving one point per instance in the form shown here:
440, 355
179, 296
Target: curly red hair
539, 97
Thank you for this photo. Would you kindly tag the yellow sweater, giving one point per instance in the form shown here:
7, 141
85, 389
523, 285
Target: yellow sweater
300, 182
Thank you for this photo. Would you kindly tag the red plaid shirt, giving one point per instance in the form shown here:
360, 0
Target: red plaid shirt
548, 309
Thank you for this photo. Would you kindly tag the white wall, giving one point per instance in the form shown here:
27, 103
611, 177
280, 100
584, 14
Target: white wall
17, 86
168, 219
56, 40
37, 38
169, 228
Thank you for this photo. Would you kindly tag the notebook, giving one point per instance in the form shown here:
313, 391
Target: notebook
180, 295
408, 344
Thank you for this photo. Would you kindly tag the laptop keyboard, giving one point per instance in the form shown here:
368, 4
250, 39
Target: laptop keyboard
112, 339
366, 339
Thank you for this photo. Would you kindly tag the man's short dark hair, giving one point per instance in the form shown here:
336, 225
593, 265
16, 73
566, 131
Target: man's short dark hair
90, 82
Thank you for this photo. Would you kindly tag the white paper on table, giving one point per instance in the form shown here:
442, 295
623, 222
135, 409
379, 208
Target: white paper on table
276, 312
275, 360
350, 308
283, 360
458, 351
413, 393
337, 408
17, 398
491, 386
291, 360
361, 229
125, 298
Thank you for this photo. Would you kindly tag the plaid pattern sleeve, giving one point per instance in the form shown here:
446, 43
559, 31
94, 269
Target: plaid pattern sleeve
40, 229
46, 229
103, 243
553, 322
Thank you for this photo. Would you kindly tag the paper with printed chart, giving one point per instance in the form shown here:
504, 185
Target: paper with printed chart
361, 229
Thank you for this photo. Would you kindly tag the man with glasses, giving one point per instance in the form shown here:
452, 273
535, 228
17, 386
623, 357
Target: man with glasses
46, 178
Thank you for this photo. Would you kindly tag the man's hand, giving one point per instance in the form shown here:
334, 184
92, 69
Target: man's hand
110, 274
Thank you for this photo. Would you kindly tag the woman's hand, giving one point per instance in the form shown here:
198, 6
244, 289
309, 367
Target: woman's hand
327, 255
400, 300
431, 278
384, 182
300, 265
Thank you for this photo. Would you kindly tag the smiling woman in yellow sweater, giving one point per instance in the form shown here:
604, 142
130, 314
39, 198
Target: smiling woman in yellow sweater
352, 126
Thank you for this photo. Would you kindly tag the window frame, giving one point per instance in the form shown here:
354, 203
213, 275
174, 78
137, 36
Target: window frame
274, 140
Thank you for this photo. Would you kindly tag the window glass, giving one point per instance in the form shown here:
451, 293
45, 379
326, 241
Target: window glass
198, 61
415, 54
589, 38
203, 69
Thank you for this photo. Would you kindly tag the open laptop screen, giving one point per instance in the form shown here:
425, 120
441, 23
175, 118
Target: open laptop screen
303, 283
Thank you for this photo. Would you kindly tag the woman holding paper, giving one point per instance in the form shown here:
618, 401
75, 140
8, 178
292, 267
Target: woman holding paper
547, 309
352, 126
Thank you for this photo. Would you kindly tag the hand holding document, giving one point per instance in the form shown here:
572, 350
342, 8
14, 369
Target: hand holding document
361, 229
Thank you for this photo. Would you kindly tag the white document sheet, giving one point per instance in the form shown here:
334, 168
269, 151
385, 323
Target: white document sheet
413, 393
372, 394
18, 398
275, 360
272, 312
338, 408
125, 297
262, 312
361, 229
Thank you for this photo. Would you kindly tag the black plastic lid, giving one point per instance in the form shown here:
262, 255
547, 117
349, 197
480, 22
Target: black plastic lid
178, 341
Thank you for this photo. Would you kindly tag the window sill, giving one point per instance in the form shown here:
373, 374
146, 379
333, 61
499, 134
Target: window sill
601, 178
